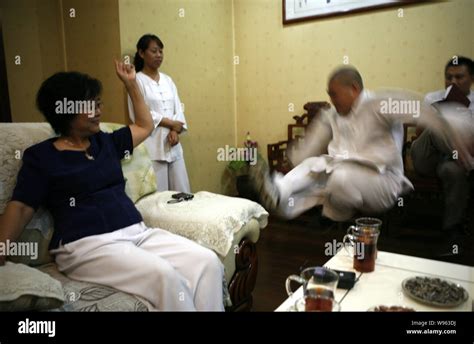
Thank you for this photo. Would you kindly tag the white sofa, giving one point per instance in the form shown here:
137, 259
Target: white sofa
229, 226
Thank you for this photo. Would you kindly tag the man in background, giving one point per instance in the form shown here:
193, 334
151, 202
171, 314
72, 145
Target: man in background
431, 157
458, 71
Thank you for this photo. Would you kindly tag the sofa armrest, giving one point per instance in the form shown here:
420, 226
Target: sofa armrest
241, 266
229, 226
210, 220
251, 232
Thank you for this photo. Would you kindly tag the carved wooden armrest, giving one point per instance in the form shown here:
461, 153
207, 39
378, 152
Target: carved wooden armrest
245, 276
277, 152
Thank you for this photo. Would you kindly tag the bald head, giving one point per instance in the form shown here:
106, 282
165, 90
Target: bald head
344, 86
347, 76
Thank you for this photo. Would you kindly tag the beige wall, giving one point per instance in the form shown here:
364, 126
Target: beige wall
92, 42
198, 56
280, 64
36, 31
31, 31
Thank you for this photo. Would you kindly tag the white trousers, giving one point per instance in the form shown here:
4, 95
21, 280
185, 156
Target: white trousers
348, 188
171, 272
171, 175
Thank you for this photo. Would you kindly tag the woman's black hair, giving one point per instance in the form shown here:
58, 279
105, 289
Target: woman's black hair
142, 45
68, 86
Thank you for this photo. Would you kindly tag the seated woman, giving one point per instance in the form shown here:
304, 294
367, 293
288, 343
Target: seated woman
99, 235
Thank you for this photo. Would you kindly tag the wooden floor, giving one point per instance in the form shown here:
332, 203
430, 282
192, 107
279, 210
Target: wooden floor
287, 246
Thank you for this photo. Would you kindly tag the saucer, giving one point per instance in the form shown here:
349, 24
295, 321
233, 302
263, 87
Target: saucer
391, 308
434, 291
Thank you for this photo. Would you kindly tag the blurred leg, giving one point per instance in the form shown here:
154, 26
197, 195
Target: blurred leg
352, 187
456, 190
301, 189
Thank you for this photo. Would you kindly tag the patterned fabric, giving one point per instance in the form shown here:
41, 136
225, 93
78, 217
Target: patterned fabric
209, 219
88, 297
16, 137
34, 234
24, 289
139, 175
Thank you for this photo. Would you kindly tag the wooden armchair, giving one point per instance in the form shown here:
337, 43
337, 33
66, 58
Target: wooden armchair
277, 152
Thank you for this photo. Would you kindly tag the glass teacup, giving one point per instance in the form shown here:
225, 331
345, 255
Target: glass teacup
302, 305
319, 287
363, 239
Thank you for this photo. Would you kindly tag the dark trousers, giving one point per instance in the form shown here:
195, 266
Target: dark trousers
432, 157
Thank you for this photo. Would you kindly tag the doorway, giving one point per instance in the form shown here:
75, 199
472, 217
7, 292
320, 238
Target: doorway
5, 110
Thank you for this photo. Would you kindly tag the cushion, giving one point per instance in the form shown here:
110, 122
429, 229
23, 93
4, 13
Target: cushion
209, 219
24, 289
89, 297
16, 137
137, 169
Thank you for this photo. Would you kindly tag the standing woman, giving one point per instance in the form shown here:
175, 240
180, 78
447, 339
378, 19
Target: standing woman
162, 98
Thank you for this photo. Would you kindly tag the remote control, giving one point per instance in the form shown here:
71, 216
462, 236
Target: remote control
347, 279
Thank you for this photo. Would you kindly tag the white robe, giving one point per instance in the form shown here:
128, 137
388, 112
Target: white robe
163, 100
353, 163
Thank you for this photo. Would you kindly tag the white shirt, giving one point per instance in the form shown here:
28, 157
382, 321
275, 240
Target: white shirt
372, 133
163, 101
460, 119
436, 96
364, 134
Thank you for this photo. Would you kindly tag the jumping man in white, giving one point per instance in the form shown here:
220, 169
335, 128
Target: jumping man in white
363, 167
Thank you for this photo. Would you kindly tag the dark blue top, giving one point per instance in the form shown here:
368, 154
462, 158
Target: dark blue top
85, 197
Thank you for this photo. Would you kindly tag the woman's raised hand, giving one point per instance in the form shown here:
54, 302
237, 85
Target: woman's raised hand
125, 72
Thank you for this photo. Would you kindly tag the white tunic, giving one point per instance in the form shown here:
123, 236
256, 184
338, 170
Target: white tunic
163, 100
366, 135
354, 162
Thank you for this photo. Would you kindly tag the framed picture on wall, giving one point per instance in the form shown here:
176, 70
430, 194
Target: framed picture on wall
302, 10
